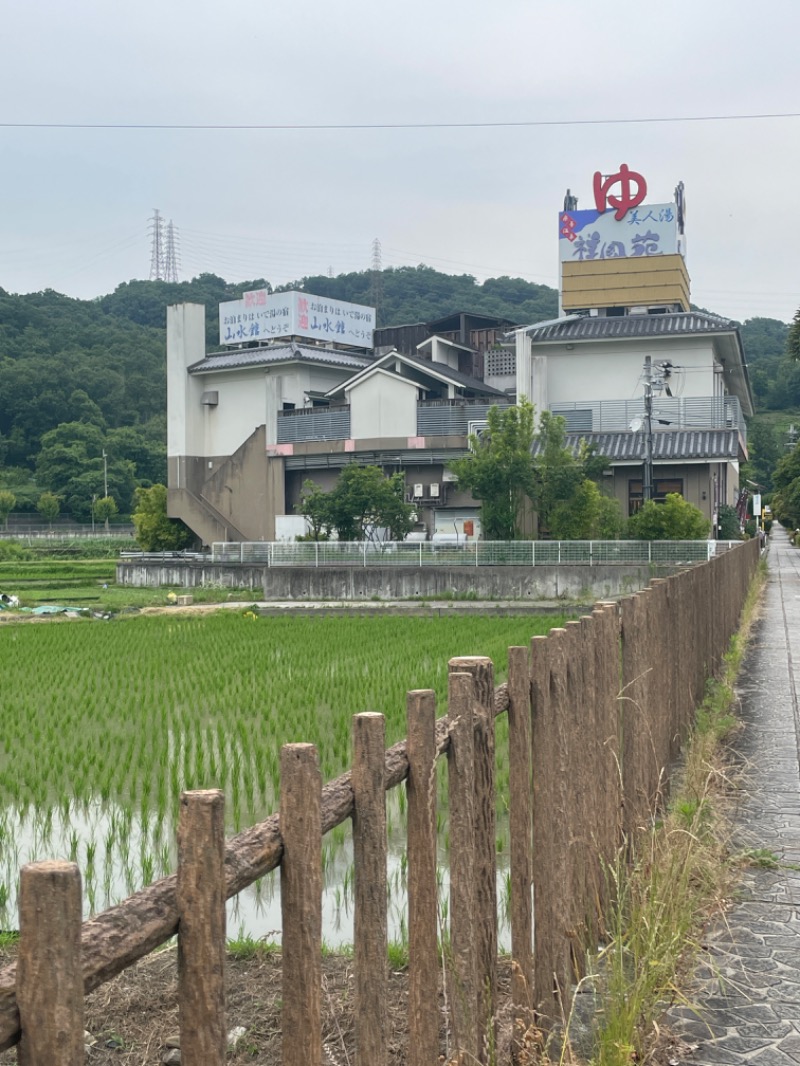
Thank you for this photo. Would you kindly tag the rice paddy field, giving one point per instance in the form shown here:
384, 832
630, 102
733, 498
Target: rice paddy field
103, 724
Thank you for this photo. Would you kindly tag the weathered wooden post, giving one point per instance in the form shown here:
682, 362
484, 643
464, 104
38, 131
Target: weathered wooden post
301, 905
201, 930
49, 973
370, 918
462, 988
423, 968
520, 833
482, 671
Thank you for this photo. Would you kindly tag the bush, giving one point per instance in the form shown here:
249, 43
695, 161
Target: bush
674, 519
154, 530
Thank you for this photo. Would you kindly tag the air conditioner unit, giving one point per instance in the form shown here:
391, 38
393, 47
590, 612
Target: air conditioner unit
417, 492
434, 490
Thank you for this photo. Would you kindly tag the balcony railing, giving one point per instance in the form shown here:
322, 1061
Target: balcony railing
440, 418
437, 418
314, 423
669, 412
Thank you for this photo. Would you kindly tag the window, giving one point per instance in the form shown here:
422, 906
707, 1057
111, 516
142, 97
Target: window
662, 487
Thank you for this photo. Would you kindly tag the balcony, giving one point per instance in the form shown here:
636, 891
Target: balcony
435, 418
669, 412
441, 418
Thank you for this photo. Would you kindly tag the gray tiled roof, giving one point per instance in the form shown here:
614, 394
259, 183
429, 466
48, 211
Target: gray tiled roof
464, 380
280, 353
678, 445
576, 327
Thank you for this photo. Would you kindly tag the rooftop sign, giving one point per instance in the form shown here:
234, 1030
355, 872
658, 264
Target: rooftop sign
621, 225
651, 229
265, 316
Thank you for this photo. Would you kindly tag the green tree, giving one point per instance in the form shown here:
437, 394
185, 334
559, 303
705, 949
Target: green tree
105, 508
763, 452
71, 464
499, 471
674, 519
729, 525
793, 338
49, 507
588, 515
362, 501
315, 505
558, 474
154, 530
8, 502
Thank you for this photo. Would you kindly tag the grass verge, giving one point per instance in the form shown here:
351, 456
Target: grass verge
681, 871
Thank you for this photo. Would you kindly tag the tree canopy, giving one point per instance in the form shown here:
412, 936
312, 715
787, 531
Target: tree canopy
499, 471
154, 530
363, 504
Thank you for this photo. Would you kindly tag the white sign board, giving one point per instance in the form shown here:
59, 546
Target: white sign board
649, 229
756, 504
263, 316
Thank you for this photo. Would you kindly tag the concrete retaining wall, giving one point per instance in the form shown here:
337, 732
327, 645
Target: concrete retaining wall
366, 583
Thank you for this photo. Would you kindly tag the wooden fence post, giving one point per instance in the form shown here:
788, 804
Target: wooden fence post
551, 829
369, 918
301, 905
462, 989
49, 972
482, 671
520, 835
200, 893
423, 963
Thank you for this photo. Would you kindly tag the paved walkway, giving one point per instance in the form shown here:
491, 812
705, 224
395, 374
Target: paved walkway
750, 978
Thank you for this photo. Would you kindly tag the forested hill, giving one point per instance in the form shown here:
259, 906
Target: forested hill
96, 369
407, 294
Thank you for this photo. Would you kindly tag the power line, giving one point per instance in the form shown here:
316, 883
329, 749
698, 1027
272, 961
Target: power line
522, 124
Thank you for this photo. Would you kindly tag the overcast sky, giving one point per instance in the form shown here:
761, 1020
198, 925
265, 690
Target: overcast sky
482, 200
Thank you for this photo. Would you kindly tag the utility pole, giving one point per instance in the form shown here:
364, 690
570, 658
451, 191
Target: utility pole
647, 480
105, 483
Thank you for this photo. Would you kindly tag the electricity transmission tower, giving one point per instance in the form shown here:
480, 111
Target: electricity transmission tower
376, 283
171, 254
164, 255
156, 246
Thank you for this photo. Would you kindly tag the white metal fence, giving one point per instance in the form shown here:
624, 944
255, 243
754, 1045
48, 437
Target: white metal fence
473, 553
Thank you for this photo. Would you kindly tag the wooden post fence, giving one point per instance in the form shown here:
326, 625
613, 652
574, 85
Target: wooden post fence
596, 711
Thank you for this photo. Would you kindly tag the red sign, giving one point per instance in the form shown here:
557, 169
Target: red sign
627, 198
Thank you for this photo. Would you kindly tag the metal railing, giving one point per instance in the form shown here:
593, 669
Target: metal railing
669, 412
314, 423
436, 418
473, 553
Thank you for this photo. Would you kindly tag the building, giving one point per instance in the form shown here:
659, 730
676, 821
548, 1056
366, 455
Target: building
306, 385
661, 390
247, 426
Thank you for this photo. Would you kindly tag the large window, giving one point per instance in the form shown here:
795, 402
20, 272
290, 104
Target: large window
662, 487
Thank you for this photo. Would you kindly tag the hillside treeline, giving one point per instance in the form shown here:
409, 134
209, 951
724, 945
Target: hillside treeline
83, 383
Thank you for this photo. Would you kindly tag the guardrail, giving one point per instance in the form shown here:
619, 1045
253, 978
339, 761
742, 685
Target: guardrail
472, 553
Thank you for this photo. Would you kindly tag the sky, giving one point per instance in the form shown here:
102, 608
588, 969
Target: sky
522, 98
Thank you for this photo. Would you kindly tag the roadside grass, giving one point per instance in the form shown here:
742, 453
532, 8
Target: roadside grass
681, 872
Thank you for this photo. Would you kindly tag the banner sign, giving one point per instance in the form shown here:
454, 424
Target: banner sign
264, 316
